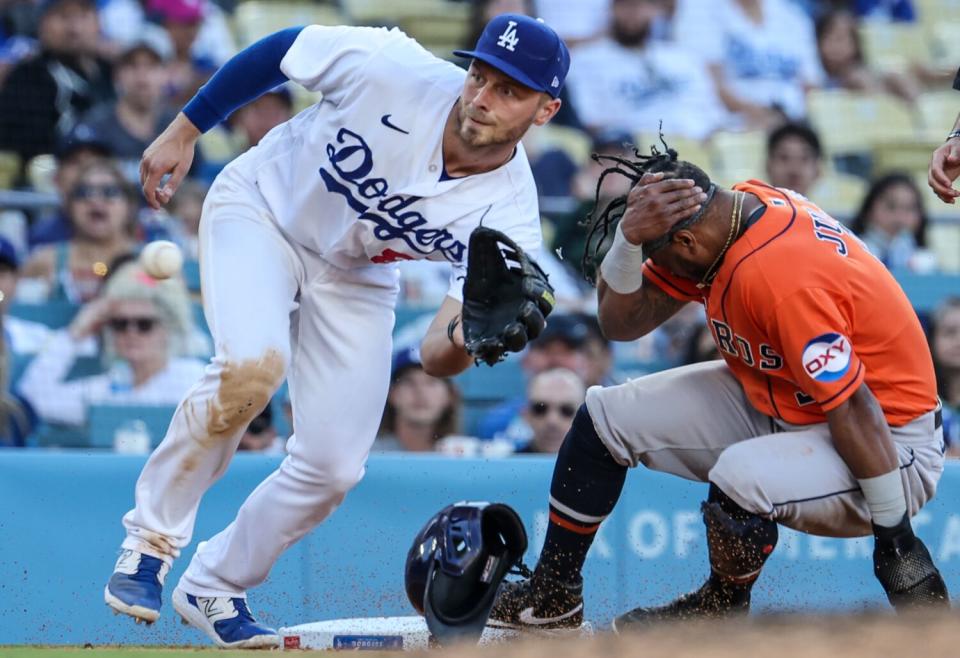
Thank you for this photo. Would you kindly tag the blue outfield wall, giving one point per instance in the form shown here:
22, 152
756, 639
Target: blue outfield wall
60, 531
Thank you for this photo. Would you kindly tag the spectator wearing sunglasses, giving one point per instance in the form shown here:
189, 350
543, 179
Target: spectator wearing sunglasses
146, 327
100, 206
553, 398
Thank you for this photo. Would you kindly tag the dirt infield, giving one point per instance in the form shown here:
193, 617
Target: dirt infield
932, 636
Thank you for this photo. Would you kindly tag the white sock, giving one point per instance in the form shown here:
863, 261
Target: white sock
885, 497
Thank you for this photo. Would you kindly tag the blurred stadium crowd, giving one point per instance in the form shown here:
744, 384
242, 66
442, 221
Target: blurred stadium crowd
840, 101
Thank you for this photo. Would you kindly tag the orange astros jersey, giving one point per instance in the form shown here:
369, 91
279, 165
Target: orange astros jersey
803, 314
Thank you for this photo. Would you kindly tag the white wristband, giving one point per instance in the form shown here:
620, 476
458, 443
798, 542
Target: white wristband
885, 498
622, 267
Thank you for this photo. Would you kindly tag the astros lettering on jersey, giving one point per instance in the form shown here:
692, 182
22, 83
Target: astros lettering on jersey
803, 314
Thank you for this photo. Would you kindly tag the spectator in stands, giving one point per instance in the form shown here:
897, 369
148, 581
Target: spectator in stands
576, 22
123, 20
130, 123
893, 224
21, 337
73, 155
885, 10
188, 71
100, 207
44, 96
571, 341
258, 117
945, 348
844, 67
762, 55
261, 435
16, 39
629, 81
420, 409
147, 326
553, 397
794, 157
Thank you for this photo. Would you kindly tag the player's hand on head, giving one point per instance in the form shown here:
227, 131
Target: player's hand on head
655, 204
90, 318
944, 169
167, 160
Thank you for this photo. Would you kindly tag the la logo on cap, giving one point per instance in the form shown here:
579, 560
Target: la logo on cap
509, 38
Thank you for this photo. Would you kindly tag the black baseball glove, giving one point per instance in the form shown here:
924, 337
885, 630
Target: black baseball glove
506, 297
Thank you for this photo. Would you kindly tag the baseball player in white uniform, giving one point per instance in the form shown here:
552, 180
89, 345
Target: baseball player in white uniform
401, 159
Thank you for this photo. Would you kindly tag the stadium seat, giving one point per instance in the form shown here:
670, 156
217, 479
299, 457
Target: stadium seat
927, 291
574, 143
687, 149
483, 384
375, 12
9, 169
839, 194
910, 156
256, 19
894, 46
853, 123
441, 32
737, 156
943, 43
105, 419
937, 111
191, 275
55, 315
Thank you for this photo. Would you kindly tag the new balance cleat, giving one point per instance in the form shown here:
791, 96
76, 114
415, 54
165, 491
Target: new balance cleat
227, 621
538, 604
711, 601
135, 587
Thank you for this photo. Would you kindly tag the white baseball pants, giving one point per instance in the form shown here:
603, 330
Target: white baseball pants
274, 308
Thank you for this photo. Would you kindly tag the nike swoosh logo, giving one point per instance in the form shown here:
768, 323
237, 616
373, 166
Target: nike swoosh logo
527, 617
385, 120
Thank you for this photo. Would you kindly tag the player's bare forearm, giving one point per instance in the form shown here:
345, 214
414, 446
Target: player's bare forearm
440, 356
861, 435
628, 317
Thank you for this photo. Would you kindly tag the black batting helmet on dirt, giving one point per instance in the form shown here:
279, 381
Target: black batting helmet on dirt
457, 562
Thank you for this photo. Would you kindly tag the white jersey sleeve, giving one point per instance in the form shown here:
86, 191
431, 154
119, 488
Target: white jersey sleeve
328, 59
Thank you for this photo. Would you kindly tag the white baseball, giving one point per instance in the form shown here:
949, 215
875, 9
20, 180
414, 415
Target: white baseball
161, 259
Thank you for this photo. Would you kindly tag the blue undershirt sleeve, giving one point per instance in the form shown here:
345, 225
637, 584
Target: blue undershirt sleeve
248, 74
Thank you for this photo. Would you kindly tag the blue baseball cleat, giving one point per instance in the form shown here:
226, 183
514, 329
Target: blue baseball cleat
136, 584
227, 621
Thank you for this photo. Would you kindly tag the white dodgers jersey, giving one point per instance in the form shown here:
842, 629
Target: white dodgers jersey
357, 178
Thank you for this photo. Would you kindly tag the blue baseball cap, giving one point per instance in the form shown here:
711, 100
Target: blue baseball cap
404, 359
8, 253
526, 49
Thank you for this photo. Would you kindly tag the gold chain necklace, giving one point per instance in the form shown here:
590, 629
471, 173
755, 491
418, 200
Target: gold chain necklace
734, 229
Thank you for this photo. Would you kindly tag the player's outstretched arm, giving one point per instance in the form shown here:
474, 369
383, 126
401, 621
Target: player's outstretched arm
945, 167
442, 351
247, 75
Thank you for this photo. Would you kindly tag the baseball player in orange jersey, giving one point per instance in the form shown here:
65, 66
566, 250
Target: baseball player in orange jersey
822, 416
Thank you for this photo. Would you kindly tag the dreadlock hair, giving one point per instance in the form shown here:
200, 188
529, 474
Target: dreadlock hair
600, 223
